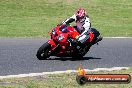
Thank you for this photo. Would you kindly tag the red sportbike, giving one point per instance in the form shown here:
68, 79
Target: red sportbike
61, 43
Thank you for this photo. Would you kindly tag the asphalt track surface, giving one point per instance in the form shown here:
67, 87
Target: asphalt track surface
18, 56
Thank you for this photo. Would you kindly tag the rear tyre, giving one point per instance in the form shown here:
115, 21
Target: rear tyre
78, 55
99, 38
44, 51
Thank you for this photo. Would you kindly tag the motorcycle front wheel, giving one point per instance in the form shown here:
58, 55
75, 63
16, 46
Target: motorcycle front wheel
44, 51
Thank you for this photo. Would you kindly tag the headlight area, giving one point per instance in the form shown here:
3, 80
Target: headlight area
62, 40
53, 31
60, 37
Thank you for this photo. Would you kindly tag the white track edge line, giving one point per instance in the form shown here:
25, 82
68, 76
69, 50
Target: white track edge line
118, 37
60, 72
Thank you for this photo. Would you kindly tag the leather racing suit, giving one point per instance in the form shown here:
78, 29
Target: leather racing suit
82, 26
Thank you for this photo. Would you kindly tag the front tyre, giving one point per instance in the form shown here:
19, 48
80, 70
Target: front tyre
44, 51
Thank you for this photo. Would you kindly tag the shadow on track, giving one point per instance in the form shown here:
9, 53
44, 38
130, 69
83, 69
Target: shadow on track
72, 59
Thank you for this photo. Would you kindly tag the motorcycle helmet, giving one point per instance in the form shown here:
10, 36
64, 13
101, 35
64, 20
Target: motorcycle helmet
80, 14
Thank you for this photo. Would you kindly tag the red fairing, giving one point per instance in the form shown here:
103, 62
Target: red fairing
64, 42
91, 36
52, 43
72, 32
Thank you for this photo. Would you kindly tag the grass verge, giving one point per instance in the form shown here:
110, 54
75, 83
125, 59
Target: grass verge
34, 18
60, 81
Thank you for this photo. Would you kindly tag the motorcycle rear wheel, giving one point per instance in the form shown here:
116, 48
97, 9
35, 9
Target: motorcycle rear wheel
44, 51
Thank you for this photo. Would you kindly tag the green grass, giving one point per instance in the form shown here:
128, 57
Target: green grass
60, 81
35, 18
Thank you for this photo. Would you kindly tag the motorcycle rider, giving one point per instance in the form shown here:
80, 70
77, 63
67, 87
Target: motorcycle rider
82, 25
